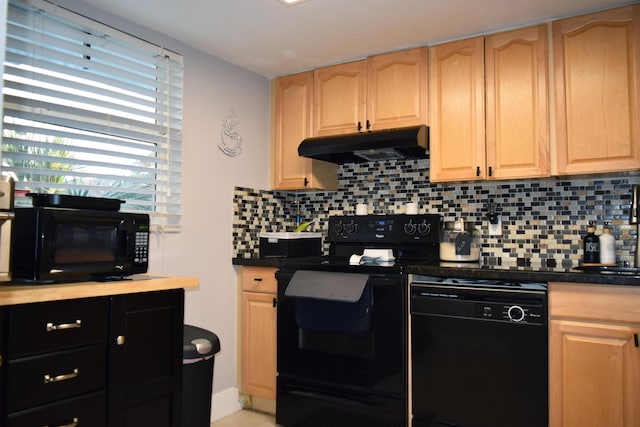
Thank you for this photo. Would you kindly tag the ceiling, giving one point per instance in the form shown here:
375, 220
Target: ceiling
266, 37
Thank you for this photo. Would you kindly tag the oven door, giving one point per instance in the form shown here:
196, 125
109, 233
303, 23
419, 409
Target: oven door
348, 349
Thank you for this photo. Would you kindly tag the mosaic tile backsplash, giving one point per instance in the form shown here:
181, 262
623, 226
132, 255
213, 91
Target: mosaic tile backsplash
543, 220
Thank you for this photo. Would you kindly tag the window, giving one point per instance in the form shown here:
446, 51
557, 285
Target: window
89, 110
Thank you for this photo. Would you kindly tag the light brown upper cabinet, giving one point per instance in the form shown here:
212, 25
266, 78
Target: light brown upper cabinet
597, 84
456, 111
517, 120
293, 105
381, 92
511, 69
397, 89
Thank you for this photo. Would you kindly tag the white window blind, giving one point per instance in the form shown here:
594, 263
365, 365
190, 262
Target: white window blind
89, 110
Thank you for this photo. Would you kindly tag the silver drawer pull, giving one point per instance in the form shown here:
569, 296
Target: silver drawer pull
74, 423
49, 379
63, 326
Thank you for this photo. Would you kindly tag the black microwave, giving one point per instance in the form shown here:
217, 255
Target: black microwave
55, 244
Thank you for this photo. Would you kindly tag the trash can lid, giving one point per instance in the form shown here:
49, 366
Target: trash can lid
199, 342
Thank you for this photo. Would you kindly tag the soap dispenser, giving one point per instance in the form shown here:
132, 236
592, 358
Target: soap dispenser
607, 246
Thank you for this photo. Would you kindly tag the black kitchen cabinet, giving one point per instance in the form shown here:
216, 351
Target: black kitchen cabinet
110, 361
55, 357
145, 359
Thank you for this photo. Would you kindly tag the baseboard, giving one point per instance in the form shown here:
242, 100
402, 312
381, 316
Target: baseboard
224, 403
263, 405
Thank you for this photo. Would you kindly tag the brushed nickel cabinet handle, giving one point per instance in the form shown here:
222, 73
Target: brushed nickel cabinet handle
62, 326
74, 423
49, 379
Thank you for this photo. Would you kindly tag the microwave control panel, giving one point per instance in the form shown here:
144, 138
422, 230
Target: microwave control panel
141, 245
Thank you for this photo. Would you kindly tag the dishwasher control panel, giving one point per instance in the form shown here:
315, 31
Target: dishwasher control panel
495, 302
517, 312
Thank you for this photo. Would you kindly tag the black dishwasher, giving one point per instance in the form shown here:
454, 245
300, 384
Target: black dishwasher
479, 353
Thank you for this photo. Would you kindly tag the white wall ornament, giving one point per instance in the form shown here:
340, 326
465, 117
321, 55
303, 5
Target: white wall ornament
230, 140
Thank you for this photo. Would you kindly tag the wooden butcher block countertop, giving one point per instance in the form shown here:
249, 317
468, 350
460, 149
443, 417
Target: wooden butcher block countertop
20, 293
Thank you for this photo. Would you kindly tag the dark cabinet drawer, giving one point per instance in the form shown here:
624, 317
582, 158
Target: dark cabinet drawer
88, 410
34, 381
44, 327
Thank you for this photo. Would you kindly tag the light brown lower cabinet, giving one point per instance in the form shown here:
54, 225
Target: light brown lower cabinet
258, 332
594, 355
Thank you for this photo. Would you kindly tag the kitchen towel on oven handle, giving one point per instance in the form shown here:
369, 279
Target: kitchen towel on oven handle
331, 301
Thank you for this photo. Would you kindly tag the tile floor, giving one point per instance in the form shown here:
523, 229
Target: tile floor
246, 418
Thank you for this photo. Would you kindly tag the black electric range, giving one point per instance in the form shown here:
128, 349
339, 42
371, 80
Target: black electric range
342, 327
412, 239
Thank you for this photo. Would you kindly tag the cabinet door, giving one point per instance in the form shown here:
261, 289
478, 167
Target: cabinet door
258, 370
517, 140
339, 96
456, 111
293, 122
397, 89
145, 360
595, 375
597, 85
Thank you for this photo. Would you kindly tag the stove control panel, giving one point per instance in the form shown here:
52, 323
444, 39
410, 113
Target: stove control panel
385, 228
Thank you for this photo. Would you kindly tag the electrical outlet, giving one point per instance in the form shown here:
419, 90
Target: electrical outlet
496, 229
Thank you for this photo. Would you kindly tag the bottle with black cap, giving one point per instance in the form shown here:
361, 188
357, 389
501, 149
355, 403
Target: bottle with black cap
591, 246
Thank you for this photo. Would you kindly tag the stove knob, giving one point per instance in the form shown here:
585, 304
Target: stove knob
424, 228
352, 228
410, 228
516, 313
338, 228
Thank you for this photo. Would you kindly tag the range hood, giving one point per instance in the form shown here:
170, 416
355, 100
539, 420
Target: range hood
389, 144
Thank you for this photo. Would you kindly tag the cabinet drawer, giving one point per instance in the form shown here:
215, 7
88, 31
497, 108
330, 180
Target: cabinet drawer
259, 279
51, 326
42, 379
609, 303
85, 410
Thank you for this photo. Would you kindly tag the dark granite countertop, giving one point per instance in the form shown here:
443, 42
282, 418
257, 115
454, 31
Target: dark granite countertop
501, 272
258, 262
528, 274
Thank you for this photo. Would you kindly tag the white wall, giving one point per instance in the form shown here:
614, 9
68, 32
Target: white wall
203, 247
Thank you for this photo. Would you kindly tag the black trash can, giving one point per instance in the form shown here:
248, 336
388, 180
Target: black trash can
199, 349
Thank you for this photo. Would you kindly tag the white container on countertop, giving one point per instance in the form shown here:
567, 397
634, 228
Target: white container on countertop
411, 208
362, 209
459, 241
607, 247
